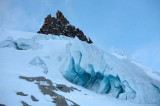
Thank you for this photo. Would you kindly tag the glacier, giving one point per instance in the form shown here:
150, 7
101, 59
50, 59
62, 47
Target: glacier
101, 77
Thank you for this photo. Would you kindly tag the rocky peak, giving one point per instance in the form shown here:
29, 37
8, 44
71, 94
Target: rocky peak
61, 18
59, 25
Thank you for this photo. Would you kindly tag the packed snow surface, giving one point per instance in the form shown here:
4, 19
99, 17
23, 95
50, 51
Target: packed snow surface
47, 70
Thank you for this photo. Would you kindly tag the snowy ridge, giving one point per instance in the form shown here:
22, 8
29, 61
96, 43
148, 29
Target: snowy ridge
148, 71
51, 70
119, 54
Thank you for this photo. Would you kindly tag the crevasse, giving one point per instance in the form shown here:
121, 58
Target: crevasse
96, 81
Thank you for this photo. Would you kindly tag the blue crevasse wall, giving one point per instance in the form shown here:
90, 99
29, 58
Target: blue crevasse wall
96, 81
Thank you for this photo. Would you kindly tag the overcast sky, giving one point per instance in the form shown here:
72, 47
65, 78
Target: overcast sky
132, 26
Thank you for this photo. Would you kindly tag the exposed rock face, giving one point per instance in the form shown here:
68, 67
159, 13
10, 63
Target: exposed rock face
59, 25
2, 105
47, 88
21, 94
24, 103
34, 98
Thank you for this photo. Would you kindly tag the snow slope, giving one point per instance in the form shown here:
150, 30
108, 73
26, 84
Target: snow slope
47, 70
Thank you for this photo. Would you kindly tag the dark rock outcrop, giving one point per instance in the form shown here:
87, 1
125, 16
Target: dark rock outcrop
49, 89
21, 94
2, 105
24, 103
59, 25
34, 98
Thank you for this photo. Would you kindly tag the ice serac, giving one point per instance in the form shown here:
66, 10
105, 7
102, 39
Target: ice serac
37, 61
95, 81
59, 25
104, 73
20, 44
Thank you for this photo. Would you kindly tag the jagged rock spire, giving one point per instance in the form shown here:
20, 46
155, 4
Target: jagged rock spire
59, 25
61, 18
